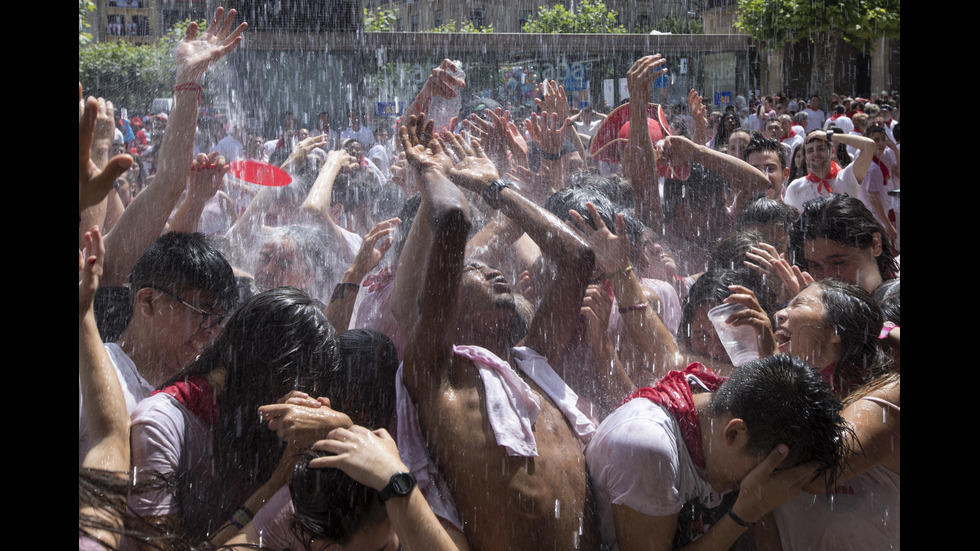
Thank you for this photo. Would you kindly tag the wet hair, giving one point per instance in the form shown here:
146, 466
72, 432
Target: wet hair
784, 401
361, 383
315, 249
857, 320
765, 211
722, 133
874, 129
842, 219
181, 262
277, 341
329, 504
704, 191
888, 295
759, 143
576, 196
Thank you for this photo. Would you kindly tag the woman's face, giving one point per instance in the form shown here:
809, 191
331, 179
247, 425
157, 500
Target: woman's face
827, 258
704, 338
799, 158
281, 264
801, 330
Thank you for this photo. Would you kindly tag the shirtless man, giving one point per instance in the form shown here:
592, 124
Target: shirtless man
538, 500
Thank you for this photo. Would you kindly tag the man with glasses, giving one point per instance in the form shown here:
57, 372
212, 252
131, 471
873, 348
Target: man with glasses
179, 293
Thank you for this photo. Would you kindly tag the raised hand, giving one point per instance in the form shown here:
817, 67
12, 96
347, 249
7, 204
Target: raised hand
553, 99
474, 170
369, 457
766, 260
94, 183
754, 316
373, 248
491, 133
206, 174
548, 129
766, 488
640, 77
422, 150
90, 265
194, 55
596, 308
441, 82
697, 110
611, 250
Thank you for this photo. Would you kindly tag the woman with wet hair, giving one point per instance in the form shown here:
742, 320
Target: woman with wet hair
837, 236
726, 125
201, 433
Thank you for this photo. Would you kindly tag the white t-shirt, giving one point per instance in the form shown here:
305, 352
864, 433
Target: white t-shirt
638, 458
134, 389
814, 119
229, 148
802, 190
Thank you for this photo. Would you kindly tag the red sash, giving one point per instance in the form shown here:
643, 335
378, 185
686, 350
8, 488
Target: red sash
195, 394
674, 393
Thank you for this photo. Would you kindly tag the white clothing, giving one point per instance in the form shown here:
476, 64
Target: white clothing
134, 388
363, 135
814, 119
638, 458
863, 513
802, 190
874, 184
842, 122
230, 148
381, 158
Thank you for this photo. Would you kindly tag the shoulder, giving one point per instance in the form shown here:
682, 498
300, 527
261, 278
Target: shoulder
639, 430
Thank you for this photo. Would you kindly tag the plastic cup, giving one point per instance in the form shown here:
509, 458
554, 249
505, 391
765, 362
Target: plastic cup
741, 342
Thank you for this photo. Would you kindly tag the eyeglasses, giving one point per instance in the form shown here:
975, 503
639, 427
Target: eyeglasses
215, 318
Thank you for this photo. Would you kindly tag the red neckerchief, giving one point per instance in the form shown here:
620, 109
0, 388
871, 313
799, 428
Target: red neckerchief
379, 280
195, 394
792, 134
884, 169
674, 393
824, 184
836, 116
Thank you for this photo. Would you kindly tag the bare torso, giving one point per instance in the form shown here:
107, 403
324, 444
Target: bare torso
508, 503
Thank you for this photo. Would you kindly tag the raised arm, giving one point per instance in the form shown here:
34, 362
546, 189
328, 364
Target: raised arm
745, 179
96, 172
376, 243
145, 218
206, 174
105, 406
866, 147
425, 298
640, 162
557, 315
319, 200
442, 83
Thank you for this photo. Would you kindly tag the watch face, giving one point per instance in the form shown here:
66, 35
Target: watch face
402, 484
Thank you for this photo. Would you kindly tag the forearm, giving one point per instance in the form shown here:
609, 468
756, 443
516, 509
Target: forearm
105, 406
492, 243
866, 146
187, 217
616, 384
747, 180
644, 333
642, 168
145, 218
417, 526
341, 307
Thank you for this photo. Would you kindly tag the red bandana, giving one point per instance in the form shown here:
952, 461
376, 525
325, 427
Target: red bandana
884, 169
195, 394
380, 280
823, 186
674, 393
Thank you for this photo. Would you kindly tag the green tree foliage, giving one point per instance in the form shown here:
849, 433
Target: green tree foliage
379, 20
589, 16
676, 25
85, 7
466, 27
129, 75
823, 22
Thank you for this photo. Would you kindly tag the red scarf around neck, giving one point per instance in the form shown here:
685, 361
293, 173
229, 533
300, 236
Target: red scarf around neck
884, 168
823, 185
196, 394
674, 393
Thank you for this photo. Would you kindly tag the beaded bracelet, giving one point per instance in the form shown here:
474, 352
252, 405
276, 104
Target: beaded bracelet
624, 271
191, 86
340, 289
241, 517
886, 329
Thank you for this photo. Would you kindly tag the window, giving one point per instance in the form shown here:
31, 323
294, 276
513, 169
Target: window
415, 23
438, 18
523, 17
476, 16
400, 25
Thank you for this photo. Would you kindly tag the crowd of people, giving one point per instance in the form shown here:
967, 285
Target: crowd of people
488, 333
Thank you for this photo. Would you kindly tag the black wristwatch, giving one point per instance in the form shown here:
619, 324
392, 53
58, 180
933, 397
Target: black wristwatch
491, 193
400, 485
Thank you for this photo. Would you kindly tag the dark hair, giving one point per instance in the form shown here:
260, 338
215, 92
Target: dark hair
857, 321
842, 219
361, 383
784, 401
180, 262
794, 172
575, 197
329, 504
888, 295
722, 133
277, 341
705, 191
765, 211
874, 129
760, 143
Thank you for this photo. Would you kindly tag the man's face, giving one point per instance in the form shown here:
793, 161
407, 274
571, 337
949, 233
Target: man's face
768, 163
817, 156
737, 143
182, 330
484, 288
289, 122
774, 129
324, 122
815, 104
